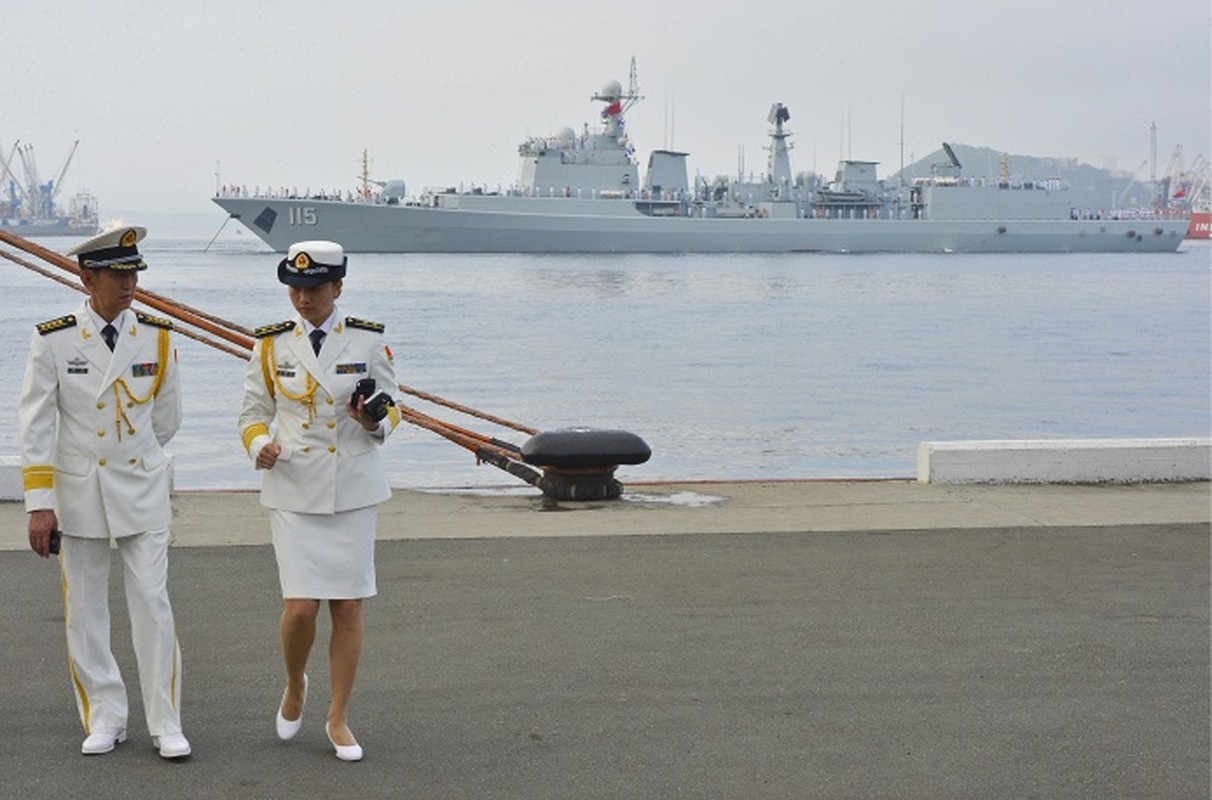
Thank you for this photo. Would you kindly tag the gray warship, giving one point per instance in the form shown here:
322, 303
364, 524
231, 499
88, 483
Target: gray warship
583, 193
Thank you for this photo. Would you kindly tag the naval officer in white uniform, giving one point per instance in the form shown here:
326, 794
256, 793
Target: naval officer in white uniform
323, 479
101, 398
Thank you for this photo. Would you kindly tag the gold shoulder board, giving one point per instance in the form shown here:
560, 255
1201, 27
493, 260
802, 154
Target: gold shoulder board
364, 324
50, 326
277, 327
159, 322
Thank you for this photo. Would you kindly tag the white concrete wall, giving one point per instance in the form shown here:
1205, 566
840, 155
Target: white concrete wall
10, 478
1065, 461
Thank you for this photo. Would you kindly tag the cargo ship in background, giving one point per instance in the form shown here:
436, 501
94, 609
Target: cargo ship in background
583, 193
1186, 189
1201, 220
31, 208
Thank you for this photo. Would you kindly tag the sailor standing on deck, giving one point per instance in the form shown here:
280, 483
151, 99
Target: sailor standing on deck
323, 479
101, 398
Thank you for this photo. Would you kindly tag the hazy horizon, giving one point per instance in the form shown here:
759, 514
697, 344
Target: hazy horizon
169, 101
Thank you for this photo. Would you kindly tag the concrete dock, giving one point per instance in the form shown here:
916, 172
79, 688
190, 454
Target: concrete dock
817, 639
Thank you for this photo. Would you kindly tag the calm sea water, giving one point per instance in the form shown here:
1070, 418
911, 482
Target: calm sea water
730, 367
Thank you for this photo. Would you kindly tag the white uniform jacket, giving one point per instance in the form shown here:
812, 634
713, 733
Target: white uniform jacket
94, 424
329, 462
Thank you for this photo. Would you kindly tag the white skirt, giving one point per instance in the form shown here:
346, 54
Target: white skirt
325, 556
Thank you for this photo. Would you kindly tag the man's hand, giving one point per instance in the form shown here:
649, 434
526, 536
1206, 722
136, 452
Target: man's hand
41, 524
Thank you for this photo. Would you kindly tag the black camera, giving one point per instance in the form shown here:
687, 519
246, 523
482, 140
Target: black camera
373, 403
55, 539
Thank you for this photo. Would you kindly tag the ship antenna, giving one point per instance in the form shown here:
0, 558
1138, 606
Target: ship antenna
901, 174
633, 87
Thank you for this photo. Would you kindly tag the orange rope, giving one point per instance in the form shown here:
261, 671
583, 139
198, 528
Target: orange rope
441, 401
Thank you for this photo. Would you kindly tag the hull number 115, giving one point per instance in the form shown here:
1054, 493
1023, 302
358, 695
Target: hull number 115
302, 215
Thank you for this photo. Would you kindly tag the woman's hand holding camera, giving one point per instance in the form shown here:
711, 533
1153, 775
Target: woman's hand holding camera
360, 414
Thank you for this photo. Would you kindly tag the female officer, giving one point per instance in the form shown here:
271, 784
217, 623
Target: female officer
323, 480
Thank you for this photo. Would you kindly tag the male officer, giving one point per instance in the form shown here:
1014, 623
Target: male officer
100, 399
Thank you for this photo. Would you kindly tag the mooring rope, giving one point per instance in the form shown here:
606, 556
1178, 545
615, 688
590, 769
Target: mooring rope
442, 401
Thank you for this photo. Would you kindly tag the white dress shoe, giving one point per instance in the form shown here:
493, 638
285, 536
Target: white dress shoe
102, 740
287, 728
172, 745
345, 752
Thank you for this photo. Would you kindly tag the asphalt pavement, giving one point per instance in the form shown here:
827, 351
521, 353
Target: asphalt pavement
824, 639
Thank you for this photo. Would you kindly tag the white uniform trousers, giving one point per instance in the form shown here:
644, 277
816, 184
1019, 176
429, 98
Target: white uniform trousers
100, 692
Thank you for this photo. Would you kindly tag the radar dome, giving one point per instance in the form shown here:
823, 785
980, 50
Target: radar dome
613, 90
565, 136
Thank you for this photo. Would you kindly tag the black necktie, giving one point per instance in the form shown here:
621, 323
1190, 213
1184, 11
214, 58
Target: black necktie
110, 334
317, 338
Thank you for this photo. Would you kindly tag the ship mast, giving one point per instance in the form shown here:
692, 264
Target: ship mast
779, 165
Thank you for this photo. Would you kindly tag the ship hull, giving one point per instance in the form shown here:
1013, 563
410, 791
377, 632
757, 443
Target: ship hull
613, 226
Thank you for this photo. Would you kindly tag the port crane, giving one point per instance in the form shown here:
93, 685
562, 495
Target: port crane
28, 202
43, 195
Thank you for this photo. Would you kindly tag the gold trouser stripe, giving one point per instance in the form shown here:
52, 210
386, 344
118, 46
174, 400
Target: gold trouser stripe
71, 662
176, 663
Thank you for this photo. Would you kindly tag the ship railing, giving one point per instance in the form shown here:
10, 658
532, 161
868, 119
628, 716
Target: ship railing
858, 212
291, 193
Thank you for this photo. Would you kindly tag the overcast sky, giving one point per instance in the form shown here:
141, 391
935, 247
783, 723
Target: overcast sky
290, 92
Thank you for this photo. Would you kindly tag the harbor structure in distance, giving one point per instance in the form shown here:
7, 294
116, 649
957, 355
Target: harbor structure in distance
31, 207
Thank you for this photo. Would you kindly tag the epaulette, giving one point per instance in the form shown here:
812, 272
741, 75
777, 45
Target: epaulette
277, 327
52, 325
364, 324
159, 322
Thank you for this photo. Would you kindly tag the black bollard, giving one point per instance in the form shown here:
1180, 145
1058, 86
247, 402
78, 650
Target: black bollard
579, 463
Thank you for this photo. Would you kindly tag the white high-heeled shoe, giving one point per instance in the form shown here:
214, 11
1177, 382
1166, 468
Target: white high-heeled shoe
287, 728
345, 752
